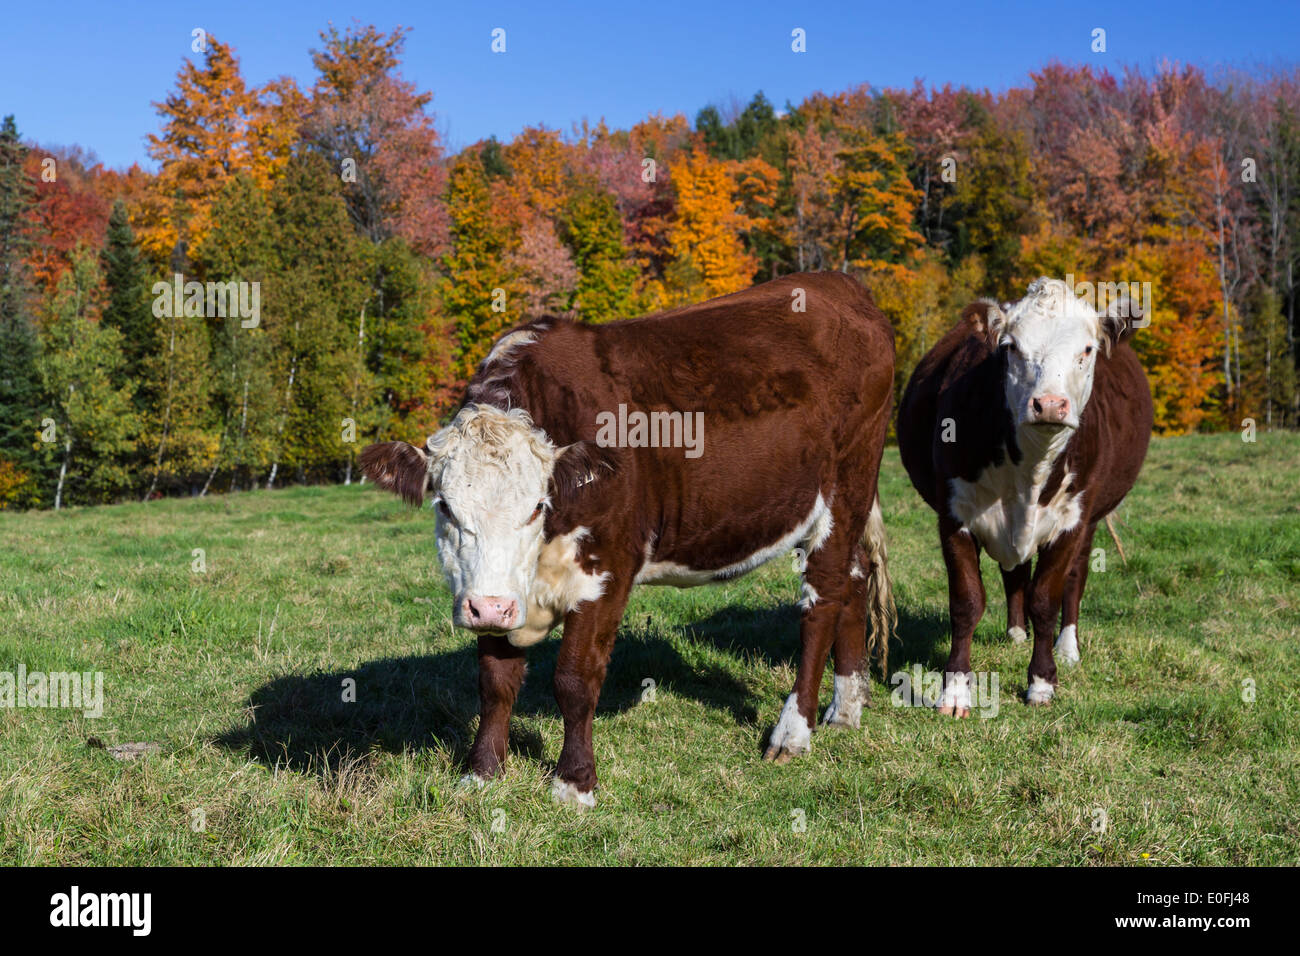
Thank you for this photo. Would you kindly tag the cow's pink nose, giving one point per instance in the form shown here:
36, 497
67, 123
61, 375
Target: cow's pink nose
491, 612
1049, 408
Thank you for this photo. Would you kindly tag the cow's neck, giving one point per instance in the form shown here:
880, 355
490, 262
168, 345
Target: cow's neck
1039, 449
1001, 507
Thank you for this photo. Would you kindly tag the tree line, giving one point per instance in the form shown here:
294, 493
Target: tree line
382, 267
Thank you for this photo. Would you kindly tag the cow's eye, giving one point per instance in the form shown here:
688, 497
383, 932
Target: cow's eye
1008, 344
444, 510
541, 506
1087, 350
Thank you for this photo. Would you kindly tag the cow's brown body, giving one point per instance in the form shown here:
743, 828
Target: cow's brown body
958, 386
795, 406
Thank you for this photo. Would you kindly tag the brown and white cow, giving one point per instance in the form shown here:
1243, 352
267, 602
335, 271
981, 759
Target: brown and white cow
539, 520
1023, 429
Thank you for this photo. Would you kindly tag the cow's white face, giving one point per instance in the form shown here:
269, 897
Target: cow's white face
1050, 340
490, 472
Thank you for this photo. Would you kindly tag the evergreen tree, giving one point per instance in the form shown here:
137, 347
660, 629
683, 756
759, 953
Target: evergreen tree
20, 385
993, 206
751, 134
398, 346
129, 308
716, 134
494, 162
314, 302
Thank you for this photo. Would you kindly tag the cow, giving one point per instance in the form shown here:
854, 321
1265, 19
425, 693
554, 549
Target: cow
1023, 428
544, 516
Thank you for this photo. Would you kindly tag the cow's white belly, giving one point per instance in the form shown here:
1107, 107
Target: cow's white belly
561, 584
811, 532
1001, 509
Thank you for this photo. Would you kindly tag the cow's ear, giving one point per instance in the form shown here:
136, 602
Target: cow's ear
399, 467
578, 465
986, 319
1123, 316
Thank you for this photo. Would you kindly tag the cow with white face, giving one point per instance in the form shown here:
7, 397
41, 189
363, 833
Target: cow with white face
492, 475
1050, 339
541, 521
1023, 428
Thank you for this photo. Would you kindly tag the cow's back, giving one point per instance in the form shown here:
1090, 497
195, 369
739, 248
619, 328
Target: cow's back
713, 356
742, 360
792, 380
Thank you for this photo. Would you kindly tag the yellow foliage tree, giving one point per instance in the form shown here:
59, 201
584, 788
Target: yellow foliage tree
538, 177
706, 236
922, 304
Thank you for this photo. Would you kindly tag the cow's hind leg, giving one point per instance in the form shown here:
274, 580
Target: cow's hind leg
1054, 563
852, 666
1016, 583
1067, 642
870, 598
828, 593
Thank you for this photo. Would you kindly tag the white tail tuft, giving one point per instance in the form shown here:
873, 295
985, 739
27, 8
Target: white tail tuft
880, 592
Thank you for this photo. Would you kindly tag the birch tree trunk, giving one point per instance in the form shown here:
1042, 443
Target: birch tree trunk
63, 473
356, 384
284, 417
167, 411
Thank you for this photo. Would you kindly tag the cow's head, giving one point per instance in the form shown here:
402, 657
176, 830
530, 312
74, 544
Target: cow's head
1048, 342
492, 475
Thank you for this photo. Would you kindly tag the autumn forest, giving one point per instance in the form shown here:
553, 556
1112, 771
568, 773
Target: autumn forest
385, 265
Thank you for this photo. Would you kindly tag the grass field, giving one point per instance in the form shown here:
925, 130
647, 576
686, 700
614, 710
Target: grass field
1152, 753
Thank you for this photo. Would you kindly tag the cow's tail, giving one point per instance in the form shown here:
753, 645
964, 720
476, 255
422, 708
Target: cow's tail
880, 592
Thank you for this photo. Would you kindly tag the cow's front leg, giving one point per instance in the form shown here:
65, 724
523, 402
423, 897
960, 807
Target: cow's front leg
961, 557
1054, 563
500, 674
589, 634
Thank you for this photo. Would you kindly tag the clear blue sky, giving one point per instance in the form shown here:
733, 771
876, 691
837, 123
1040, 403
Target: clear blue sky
86, 71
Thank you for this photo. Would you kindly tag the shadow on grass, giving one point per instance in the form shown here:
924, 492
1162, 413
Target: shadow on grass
771, 635
302, 722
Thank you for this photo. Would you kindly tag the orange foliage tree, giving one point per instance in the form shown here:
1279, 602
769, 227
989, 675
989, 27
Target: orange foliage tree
1180, 347
705, 238
214, 126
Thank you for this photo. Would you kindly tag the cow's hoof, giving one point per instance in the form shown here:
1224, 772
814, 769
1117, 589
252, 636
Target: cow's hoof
564, 792
1040, 692
791, 736
834, 719
471, 782
955, 699
780, 755
1018, 635
1067, 646
851, 694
